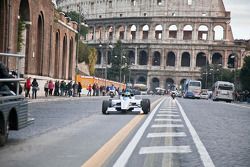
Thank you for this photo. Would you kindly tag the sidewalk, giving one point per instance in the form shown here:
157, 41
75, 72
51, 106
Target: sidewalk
58, 98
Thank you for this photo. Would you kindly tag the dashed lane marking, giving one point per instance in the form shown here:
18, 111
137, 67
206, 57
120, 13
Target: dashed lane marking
168, 112
167, 134
167, 126
124, 157
205, 158
165, 149
167, 115
168, 119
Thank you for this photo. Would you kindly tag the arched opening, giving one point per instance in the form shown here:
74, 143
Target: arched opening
156, 59
203, 32
64, 58
109, 57
169, 84
218, 32
158, 32
71, 48
187, 32
173, 31
57, 55
131, 57
133, 32
3, 27
201, 60
98, 33
185, 59
155, 83
110, 32
99, 57
143, 58
145, 30
121, 32
142, 80
24, 20
182, 83
231, 63
217, 58
170, 59
39, 45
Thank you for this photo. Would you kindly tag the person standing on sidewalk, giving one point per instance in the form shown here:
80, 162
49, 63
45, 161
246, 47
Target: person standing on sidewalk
79, 89
27, 87
46, 88
35, 88
51, 87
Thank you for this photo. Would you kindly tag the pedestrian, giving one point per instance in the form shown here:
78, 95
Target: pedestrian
69, 88
46, 88
89, 90
56, 91
75, 89
27, 87
94, 89
51, 87
62, 88
79, 89
35, 88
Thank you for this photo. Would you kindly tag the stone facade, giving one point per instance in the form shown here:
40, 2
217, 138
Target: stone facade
167, 41
48, 44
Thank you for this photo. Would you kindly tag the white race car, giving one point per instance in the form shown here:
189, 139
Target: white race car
126, 102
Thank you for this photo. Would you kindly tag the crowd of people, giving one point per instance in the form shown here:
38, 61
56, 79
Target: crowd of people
62, 88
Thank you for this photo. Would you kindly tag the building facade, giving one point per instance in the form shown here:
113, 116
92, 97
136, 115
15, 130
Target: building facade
46, 38
167, 41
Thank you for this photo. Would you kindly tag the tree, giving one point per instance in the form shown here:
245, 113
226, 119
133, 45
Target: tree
92, 60
83, 54
215, 72
245, 74
119, 61
79, 19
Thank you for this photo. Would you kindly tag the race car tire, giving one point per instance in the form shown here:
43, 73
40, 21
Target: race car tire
4, 132
105, 105
145, 104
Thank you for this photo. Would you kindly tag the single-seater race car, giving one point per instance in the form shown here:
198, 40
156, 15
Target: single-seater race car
125, 103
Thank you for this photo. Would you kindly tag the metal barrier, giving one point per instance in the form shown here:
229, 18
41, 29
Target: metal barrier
17, 79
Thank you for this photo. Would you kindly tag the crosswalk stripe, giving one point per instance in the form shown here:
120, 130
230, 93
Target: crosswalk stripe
167, 134
165, 149
167, 126
167, 115
168, 119
168, 112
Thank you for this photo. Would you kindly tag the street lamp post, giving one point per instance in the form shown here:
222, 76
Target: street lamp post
78, 38
108, 45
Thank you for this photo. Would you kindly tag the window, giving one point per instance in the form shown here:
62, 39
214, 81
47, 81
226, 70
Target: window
189, 2
133, 2
110, 4
159, 2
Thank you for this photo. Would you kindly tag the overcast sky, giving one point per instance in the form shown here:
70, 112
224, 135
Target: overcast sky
240, 17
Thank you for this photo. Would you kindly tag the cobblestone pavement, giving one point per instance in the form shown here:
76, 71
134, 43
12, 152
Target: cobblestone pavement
224, 129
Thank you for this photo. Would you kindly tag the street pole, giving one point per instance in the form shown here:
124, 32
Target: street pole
78, 41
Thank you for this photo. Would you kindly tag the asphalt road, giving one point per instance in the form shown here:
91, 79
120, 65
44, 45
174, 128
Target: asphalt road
73, 132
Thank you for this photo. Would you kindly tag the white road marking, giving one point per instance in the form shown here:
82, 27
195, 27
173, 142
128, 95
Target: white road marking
205, 158
165, 149
168, 109
167, 115
167, 134
168, 112
124, 157
169, 119
167, 126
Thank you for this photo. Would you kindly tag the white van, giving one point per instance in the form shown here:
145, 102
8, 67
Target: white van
223, 91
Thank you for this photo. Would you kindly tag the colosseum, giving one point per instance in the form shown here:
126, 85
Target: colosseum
167, 41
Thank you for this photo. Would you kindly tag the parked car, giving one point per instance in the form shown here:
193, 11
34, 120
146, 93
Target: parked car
204, 95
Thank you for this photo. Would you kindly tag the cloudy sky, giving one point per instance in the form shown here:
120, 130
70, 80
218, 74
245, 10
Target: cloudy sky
240, 17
